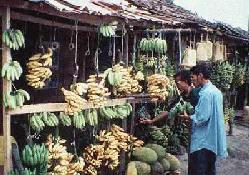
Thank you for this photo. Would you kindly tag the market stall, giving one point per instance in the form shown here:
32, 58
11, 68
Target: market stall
88, 73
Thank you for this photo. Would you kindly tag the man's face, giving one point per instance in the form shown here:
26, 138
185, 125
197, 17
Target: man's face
195, 79
181, 85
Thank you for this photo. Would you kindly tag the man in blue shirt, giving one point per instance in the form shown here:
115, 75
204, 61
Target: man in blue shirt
208, 138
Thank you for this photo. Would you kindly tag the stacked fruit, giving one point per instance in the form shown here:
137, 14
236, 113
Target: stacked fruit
107, 30
153, 44
74, 102
123, 80
119, 111
35, 155
14, 39
12, 70
106, 153
15, 99
97, 94
39, 120
60, 161
38, 69
79, 88
158, 86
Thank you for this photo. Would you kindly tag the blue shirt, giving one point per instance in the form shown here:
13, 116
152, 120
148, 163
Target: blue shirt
208, 129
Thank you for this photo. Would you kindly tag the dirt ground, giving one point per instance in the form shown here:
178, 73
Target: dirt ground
237, 163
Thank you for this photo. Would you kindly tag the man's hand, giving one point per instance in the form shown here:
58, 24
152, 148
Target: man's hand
146, 121
185, 116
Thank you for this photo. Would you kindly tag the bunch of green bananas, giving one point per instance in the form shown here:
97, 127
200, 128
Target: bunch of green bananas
65, 119
12, 70
39, 120
179, 108
15, 99
14, 39
119, 111
229, 114
222, 75
107, 30
239, 75
26, 171
114, 75
159, 137
153, 44
79, 120
91, 117
35, 155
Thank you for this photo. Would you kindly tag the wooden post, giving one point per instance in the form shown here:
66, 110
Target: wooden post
5, 13
126, 49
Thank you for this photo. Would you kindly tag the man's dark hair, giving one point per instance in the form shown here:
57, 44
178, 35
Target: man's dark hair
203, 69
184, 76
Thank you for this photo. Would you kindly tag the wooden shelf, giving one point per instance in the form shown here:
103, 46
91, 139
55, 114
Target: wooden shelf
56, 107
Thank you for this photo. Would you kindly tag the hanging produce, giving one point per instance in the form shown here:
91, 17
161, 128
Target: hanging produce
96, 93
153, 44
15, 99
114, 75
74, 102
222, 75
158, 86
12, 70
79, 120
209, 47
65, 119
189, 57
201, 51
108, 30
60, 161
218, 51
239, 75
38, 69
181, 107
112, 112
106, 153
14, 39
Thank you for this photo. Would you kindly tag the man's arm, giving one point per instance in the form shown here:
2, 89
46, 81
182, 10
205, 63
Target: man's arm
161, 116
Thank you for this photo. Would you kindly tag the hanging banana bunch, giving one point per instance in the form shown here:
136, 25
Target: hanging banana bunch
153, 44
38, 69
158, 86
74, 102
12, 70
97, 94
108, 30
16, 98
13, 39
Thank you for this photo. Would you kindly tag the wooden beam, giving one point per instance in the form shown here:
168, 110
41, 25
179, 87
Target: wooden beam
56, 107
23, 17
5, 13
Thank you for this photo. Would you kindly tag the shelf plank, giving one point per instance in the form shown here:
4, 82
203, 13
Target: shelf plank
57, 107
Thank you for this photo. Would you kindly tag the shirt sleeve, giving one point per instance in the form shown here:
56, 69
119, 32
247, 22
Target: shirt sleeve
202, 111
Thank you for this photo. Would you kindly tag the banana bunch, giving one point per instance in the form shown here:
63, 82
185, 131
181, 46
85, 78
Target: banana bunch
91, 116
119, 111
114, 75
35, 155
26, 171
74, 102
12, 70
158, 86
150, 62
79, 88
139, 76
38, 121
49, 118
65, 119
15, 99
97, 94
107, 30
14, 39
107, 152
60, 161
229, 114
128, 84
38, 69
153, 44
79, 120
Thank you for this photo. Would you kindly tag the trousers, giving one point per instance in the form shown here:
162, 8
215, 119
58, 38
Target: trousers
202, 162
